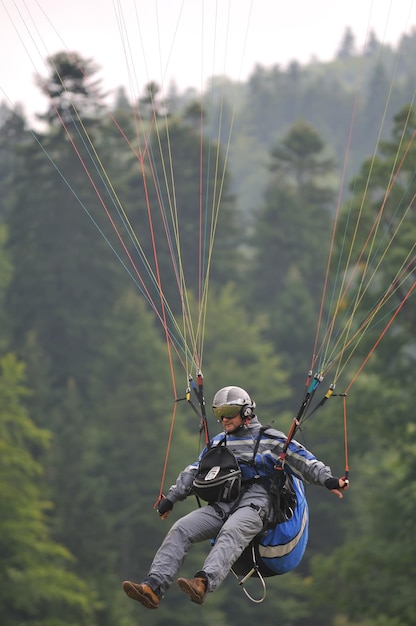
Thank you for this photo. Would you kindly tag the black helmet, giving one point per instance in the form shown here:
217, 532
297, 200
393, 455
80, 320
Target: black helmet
229, 401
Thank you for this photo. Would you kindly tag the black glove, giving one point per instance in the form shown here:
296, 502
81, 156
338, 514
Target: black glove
332, 483
164, 506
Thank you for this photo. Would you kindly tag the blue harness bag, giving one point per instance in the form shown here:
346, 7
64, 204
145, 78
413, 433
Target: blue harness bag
279, 548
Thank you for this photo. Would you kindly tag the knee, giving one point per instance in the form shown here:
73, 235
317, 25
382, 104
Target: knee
177, 528
250, 519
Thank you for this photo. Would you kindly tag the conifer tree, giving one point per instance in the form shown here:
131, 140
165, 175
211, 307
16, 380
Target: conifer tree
66, 276
184, 214
377, 229
37, 585
290, 243
377, 556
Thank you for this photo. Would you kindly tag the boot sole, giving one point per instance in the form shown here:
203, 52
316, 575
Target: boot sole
189, 590
133, 593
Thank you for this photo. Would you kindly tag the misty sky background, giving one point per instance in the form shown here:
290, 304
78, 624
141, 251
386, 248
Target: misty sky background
182, 41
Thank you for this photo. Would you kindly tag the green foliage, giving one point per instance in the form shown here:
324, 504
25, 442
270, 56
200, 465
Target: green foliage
120, 444
298, 159
289, 241
5, 276
374, 243
98, 366
51, 243
34, 572
237, 354
70, 89
180, 202
375, 565
324, 95
13, 133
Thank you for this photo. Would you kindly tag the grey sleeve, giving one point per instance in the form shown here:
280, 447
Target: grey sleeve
183, 486
306, 466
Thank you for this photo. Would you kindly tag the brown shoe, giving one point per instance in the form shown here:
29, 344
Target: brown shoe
142, 593
196, 588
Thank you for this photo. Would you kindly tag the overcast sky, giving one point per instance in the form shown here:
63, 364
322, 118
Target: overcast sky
186, 41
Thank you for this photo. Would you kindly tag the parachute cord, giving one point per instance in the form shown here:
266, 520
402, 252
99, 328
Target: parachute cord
344, 288
338, 207
157, 278
342, 291
162, 301
363, 288
301, 415
177, 271
172, 421
395, 287
398, 309
177, 266
167, 168
217, 193
118, 204
162, 317
347, 467
202, 228
330, 393
334, 228
167, 452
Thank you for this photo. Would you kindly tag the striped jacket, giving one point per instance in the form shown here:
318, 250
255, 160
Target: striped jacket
299, 461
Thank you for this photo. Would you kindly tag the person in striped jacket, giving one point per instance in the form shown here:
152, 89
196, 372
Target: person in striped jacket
233, 475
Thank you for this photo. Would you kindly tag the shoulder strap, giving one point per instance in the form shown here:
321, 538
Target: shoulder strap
259, 436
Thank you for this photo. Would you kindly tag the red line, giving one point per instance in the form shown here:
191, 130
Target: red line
380, 337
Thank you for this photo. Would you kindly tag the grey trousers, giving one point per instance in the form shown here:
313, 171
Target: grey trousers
232, 534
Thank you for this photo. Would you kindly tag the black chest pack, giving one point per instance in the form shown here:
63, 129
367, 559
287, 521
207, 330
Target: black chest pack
219, 475
219, 480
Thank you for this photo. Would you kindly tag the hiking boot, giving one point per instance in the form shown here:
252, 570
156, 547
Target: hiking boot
142, 593
196, 588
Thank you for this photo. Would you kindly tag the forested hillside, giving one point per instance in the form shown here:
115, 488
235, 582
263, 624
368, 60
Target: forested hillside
108, 237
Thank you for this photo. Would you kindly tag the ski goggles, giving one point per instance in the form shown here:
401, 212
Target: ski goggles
226, 411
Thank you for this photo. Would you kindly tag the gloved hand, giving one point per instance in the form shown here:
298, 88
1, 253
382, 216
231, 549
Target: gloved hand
164, 507
332, 483
336, 484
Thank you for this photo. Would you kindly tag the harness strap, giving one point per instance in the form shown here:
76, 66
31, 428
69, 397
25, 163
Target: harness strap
256, 447
255, 479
